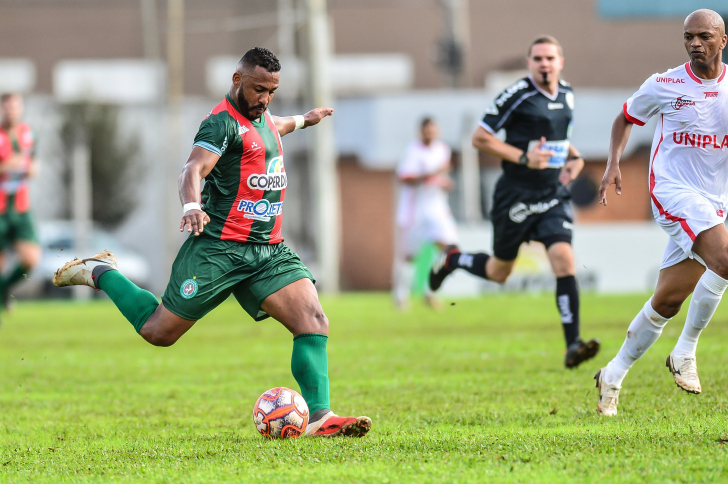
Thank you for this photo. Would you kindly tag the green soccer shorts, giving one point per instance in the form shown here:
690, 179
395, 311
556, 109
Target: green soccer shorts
207, 270
16, 227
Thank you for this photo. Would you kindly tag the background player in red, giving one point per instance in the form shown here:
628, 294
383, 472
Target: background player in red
17, 164
688, 186
235, 245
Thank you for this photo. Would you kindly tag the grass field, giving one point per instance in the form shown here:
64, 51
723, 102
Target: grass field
474, 393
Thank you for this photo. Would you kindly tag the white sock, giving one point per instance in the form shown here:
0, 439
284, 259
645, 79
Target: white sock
404, 273
706, 297
644, 330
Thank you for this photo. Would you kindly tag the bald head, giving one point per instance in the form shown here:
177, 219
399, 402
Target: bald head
706, 18
704, 38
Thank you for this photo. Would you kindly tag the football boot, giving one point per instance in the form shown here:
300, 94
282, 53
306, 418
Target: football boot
331, 425
608, 395
578, 352
83, 272
440, 269
685, 372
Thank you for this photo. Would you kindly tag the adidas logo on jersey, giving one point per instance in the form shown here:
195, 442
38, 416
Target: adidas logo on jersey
242, 129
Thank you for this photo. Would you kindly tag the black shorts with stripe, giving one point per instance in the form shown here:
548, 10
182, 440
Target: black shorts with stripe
521, 214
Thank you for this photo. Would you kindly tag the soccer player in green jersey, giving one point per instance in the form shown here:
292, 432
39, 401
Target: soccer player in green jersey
235, 244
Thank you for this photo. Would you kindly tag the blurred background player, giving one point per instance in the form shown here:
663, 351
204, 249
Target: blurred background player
689, 193
17, 164
531, 201
423, 213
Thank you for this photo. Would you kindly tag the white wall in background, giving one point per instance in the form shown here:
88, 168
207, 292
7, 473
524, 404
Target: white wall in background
610, 258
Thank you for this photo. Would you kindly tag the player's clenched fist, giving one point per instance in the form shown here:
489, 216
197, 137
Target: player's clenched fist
194, 221
314, 116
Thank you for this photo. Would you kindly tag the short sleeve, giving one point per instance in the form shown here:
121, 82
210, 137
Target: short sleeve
498, 114
213, 134
409, 166
642, 105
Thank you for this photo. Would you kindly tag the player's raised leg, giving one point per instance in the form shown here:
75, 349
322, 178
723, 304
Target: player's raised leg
297, 307
479, 264
712, 246
561, 256
155, 323
674, 285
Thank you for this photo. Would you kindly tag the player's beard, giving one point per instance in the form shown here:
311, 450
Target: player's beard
247, 109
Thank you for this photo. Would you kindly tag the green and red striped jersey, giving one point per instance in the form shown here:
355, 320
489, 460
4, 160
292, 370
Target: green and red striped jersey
21, 141
243, 194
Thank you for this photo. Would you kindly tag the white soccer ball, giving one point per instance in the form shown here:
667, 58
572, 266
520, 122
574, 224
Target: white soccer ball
280, 413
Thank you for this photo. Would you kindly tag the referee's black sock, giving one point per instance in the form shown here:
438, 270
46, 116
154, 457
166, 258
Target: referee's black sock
567, 301
473, 263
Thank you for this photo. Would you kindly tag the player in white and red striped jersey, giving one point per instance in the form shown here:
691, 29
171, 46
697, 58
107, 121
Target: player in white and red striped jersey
688, 185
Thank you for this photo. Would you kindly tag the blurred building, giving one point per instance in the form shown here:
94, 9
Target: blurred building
394, 61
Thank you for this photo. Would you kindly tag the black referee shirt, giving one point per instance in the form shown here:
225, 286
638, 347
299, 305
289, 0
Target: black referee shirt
527, 113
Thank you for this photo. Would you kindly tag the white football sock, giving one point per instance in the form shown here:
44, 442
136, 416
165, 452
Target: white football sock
404, 273
706, 297
644, 330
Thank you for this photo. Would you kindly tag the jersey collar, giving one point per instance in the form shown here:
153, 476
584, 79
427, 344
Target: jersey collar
689, 70
549, 96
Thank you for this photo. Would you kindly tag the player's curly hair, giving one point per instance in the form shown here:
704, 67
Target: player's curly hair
260, 56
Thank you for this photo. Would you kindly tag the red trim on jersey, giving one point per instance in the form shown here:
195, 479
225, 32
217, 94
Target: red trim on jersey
631, 118
24, 139
690, 73
683, 223
722, 75
275, 234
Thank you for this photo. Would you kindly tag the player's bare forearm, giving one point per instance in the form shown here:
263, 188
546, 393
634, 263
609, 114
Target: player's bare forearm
198, 166
621, 129
487, 143
287, 124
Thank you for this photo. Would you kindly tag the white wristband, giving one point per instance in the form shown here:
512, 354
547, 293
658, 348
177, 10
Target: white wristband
191, 206
299, 121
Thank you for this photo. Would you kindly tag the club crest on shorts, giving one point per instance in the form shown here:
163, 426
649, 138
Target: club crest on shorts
188, 289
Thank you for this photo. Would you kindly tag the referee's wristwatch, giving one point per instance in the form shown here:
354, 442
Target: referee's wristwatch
523, 159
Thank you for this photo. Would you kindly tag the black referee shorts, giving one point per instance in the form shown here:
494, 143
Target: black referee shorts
522, 214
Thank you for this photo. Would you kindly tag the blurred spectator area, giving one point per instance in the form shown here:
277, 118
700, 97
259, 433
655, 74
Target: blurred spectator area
385, 77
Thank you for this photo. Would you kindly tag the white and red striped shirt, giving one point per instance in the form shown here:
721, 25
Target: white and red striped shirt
690, 146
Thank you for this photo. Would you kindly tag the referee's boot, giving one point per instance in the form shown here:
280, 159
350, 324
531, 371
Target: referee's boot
440, 269
579, 351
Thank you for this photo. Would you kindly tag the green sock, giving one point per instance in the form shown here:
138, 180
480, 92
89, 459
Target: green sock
18, 274
135, 303
310, 368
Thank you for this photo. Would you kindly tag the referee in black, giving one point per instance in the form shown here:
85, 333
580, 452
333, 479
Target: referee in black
531, 201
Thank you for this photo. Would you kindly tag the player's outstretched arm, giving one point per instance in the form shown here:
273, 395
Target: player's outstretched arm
288, 124
197, 167
484, 141
621, 129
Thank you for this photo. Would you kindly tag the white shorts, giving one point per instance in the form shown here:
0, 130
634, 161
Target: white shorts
684, 215
431, 229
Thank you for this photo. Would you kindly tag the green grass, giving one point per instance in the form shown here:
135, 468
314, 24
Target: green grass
474, 393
